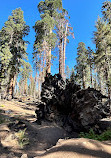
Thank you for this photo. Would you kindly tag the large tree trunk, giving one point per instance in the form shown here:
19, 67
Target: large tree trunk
10, 89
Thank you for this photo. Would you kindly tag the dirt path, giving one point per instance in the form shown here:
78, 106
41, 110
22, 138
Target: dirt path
15, 108
41, 137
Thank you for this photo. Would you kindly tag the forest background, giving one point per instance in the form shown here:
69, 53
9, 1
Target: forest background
83, 17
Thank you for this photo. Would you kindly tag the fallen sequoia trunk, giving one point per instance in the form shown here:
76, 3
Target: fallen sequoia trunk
69, 105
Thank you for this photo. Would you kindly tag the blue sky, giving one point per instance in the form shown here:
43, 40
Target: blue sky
83, 15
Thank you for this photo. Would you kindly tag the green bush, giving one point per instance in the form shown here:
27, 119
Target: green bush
106, 135
22, 138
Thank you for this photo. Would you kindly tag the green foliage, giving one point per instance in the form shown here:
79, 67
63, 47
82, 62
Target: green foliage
12, 46
25, 70
50, 6
106, 135
102, 39
32, 87
73, 76
94, 68
82, 67
25, 73
67, 72
45, 39
22, 138
106, 11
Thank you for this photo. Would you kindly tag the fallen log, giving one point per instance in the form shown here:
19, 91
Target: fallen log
69, 105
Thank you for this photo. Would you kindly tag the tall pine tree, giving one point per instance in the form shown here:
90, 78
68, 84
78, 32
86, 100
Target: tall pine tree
12, 38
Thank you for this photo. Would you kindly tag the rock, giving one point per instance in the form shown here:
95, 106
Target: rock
24, 156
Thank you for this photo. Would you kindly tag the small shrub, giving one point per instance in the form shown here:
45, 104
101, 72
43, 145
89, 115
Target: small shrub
106, 135
22, 138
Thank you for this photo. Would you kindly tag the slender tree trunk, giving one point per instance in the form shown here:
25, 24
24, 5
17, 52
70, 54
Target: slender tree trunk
36, 79
39, 79
25, 86
61, 58
91, 75
48, 64
95, 78
108, 71
43, 67
64, 50
108, 85
39, 85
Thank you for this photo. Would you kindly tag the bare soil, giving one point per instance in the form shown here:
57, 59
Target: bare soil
42, 138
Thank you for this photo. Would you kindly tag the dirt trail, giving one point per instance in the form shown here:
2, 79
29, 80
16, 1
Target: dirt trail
15, 108
42, 137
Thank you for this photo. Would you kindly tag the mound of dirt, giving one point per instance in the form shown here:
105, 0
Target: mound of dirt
79, 148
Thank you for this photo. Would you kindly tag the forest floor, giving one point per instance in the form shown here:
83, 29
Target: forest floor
41, 139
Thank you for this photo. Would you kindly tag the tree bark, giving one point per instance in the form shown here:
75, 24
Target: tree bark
108, 71
48, 64
25, 86
10, 89
61, 58
64, 50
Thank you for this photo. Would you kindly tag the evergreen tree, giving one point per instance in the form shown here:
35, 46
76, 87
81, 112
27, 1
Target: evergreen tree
73, 76
25, 72
12, 38
81, 67
90, 63
63, 30
102, 38
32, 87
67, 73
45, 37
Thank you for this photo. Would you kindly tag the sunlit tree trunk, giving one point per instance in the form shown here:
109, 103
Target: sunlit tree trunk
48, 63
61, 57
64, 50
11, 87
25, 86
